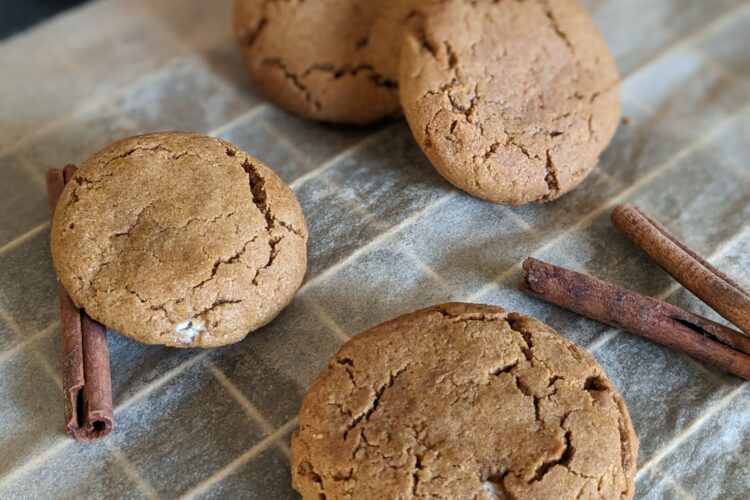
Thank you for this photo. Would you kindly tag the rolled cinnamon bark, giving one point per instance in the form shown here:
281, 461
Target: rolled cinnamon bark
86, 372
724, 295
659, 321
97, 390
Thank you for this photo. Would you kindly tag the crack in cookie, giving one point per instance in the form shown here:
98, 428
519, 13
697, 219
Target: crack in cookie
179, 239
458, 401
513, 102
329, 60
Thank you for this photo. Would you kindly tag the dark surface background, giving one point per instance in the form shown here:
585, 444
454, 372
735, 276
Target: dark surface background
18, 15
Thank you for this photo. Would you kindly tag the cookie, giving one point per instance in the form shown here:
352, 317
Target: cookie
330, 60
511, 101
179, 239
463, 401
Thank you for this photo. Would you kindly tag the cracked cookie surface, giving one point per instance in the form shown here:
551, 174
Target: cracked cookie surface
330, 60
511, 101
463, 401
179, 239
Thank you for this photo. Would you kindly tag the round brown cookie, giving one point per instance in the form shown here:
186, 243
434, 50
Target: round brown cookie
330, 60
463, 401
511, 101
180, 239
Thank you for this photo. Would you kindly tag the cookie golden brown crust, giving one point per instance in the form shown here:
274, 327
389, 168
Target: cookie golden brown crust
463, 401
330, 60
511, 101
179, 239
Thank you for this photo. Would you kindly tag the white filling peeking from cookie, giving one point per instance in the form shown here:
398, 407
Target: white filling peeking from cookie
186, 331
493, 490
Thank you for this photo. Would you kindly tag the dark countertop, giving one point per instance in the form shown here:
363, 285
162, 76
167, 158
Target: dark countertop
19, 15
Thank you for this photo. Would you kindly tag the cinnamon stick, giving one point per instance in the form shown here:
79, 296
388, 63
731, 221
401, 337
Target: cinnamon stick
86, 373
659, 321
709, 284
